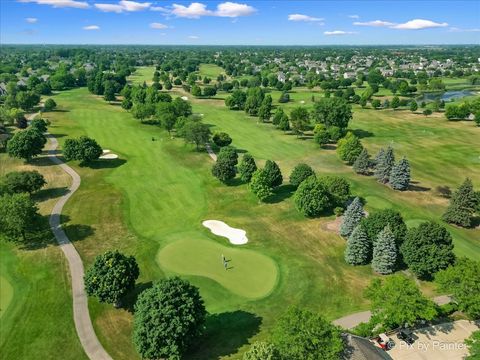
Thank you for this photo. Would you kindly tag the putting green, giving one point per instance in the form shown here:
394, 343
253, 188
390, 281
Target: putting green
249, 273
6, 295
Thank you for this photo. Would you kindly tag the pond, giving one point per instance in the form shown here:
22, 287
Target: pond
446, 96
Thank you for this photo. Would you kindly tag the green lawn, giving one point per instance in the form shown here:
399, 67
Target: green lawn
6, 294
141, 75
249, 273
210, 70
35, 289
151, 202
156, 196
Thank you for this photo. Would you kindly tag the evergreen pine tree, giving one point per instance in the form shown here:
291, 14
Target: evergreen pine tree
384, 252
352, 217
384, 165
363, 162
247, 167
400, 175
462, 205
358, 249
273, 173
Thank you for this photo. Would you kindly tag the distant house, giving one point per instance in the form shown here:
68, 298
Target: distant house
45, 77
88, 67
359, 348
349, 75
281, 77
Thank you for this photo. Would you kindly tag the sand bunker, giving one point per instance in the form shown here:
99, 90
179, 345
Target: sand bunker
184, 98
107, 155
235, 236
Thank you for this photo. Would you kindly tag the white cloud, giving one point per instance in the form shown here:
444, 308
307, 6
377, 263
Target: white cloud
31, 20
375, 23
59, 3
456, 29
227, 9
300, 17
231, 9
156, 25
91, 27
159, 8
354, 16
339, 32
124, 5
418, 24
192, 11
194, 37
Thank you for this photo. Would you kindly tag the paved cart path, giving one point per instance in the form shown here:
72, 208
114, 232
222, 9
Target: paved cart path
81, 316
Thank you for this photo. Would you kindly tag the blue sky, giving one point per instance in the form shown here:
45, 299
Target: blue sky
244, 22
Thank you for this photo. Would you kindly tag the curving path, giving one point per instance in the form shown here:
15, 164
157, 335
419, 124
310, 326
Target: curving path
81, 315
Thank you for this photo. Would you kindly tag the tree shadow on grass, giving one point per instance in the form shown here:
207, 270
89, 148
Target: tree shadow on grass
283, 192
360, 133
42, 161
225, 333
415, 187
78, 232
47, 194
128, 302
105, 163
234, 182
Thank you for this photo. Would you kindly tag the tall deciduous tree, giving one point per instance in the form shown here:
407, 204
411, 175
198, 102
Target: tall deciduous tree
427, 249
303, 335
84, 149
463, 282
224, 168
377, 221
23, 181
351, 217
111, 277
397, 301
265, 110
384, 257
462, 205
247, 167
349, 148
400, 175
168, 318
17, 214
26, 144
358, 250
196, 132
299, 119
332, 112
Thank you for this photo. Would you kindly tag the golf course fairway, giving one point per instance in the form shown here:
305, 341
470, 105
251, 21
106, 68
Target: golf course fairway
248, 274
6, 295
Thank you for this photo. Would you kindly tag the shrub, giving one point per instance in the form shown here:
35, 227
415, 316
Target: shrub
222, 139
247, 167
349, 148
273, 174
260, 185
300, 173
312, 197
83, 149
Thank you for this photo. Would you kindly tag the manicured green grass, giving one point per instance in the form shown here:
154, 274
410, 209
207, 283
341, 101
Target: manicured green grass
38, 322
210, 70
141, 75
249, 273
158, 193
6, 295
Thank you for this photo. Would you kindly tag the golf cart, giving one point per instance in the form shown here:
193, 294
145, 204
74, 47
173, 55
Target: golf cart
384, 342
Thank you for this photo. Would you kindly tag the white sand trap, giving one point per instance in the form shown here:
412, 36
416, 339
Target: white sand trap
302, 102
184, 98
106, 151
108, 156
235, 236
